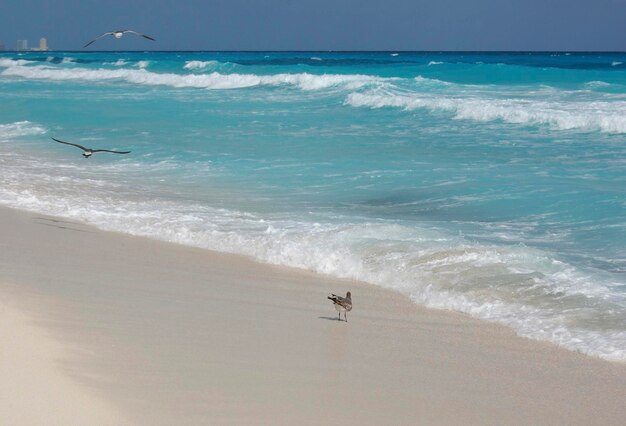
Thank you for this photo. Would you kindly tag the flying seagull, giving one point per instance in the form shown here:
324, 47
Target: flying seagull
342, 304
88, 151
119, 34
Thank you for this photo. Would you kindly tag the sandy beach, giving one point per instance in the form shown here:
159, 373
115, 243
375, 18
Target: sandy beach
104, 328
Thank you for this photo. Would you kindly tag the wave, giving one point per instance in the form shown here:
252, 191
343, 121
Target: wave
431, 82
199, 65
213, 80
608, 117
122, 62
14, 130
524, 288
597, 83
6, 62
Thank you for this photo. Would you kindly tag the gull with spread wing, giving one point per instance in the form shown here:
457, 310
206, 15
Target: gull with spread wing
87, 152
118, 34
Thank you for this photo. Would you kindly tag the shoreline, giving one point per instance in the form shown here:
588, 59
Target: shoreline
167, 334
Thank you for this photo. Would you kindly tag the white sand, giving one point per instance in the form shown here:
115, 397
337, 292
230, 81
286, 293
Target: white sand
168, 335
34, 388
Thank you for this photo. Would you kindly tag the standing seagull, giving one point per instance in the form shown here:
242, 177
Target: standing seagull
342, 304
88, 151
119, 34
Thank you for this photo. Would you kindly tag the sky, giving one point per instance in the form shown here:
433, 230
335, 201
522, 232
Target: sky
554, 25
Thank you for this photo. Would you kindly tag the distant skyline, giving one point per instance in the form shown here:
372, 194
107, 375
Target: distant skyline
23, 45
492, 25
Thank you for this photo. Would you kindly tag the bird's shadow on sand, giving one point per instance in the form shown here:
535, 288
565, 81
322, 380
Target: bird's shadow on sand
55, 223
330, 318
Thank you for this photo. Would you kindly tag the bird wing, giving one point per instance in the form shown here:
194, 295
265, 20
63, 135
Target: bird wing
341, 301
139, 34
100, 36
114, 152
73, 144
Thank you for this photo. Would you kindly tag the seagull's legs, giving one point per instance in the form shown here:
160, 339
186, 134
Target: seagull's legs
345, 314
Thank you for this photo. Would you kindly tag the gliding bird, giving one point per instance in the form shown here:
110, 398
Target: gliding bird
88, 151
119, 34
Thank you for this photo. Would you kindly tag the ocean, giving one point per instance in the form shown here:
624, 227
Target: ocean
492, 184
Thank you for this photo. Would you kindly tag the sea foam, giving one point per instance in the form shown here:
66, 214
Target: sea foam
433, 268
196, 65
609, 117
436, 215
213, 80
19, 128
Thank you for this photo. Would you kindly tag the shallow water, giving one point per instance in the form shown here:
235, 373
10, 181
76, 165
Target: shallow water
492, 184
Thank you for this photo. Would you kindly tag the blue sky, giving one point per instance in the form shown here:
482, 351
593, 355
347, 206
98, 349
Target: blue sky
320, 24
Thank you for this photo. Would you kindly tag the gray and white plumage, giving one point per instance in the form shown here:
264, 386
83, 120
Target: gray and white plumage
119, 34
87, 152
342, 304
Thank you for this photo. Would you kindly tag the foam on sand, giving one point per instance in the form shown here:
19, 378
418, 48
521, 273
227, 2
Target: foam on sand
521, 287
156, 334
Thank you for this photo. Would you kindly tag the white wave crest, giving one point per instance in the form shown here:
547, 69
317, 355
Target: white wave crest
597, 83
431, 63
19, 128
6, 62
424, 81
199, 65
142, 64
213, 80
608, 117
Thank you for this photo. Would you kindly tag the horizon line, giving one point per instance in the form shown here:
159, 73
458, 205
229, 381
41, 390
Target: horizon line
315, 51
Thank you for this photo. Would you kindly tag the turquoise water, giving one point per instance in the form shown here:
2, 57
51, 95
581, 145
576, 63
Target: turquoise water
492, 184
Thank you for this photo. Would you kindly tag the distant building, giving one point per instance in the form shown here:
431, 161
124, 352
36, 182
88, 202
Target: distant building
43, 45
22, 45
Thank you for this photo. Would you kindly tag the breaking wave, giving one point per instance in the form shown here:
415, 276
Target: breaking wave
362, 194
608, 117
213, 80
524, 288
19, 128
200, 65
